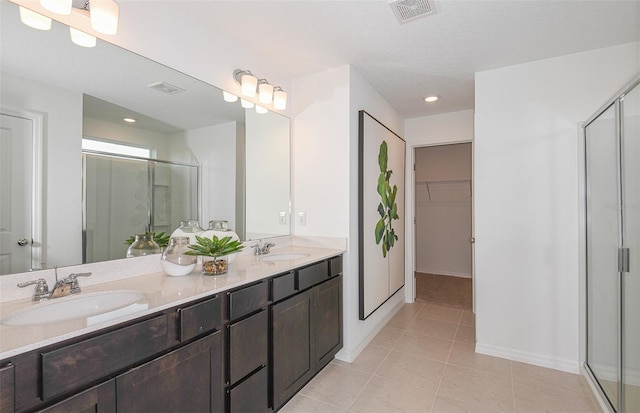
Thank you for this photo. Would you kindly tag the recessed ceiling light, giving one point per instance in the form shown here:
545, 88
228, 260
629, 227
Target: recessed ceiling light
129, 120
431, 99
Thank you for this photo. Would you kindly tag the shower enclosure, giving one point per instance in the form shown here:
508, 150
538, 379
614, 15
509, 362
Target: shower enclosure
124, 196
612, 163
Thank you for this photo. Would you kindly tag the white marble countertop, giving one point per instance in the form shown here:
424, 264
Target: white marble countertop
160, 292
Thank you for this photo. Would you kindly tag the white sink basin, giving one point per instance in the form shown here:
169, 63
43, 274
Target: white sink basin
285, 256
73, 307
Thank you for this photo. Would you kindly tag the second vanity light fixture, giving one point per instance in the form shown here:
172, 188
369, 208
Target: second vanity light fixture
103, 15
251, 85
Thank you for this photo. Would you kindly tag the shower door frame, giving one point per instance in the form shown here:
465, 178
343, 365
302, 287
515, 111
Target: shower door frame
615, 101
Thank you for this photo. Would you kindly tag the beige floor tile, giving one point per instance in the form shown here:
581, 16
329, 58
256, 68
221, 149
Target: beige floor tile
448, 405
403, 318
390, 395
433, 328
477, 387
424, 346
303, 404
550, 399
336, 385
368, 360
468, 319
441, 313
411, 369
463, 354
540, 376
387, 337
466, 334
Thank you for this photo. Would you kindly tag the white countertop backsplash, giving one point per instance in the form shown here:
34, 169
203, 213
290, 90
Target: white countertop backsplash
143, 274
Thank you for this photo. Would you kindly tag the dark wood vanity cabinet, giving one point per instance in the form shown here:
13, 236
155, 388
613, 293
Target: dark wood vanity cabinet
247, 350
306, 328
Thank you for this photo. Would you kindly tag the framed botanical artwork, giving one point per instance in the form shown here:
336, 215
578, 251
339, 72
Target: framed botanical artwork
381, 213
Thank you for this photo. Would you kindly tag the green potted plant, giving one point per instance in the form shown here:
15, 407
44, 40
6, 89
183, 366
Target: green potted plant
214, 253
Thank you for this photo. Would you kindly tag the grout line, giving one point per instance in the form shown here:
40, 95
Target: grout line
513, 385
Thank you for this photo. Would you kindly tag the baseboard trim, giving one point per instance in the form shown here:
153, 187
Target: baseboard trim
529, 358
348, 355
451, 274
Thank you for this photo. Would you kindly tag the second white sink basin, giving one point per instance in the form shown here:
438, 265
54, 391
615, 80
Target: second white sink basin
72, 307
285, 256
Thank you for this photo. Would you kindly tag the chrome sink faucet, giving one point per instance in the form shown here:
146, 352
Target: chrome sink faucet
62, 288
259, 249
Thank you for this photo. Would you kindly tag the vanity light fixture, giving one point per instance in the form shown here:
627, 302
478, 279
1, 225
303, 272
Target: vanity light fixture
261, 110
103, 15
279, 98
229, 97
431, 99
267, 93
34, 20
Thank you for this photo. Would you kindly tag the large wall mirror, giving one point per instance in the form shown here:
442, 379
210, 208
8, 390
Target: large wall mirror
189, 154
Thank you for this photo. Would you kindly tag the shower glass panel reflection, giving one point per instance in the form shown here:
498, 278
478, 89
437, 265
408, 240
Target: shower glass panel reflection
124, 196
612, 154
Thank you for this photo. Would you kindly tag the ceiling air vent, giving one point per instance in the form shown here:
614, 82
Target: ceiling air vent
408, 10
165, 87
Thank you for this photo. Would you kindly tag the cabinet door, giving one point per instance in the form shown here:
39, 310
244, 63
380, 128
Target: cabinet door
188, 379
292, 346
250, 396
248, 346
100, 399
327, 320
7, 389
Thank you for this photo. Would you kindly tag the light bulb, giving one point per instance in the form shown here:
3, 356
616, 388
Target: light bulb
249, 84
81, 38
261, 110
280, 99
229, 97
246, 104
57, 6
104, 16
265, 93
34, 20
431, 99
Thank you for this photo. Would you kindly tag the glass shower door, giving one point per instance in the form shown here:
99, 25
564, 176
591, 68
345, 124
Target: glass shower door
603, 239
630, 110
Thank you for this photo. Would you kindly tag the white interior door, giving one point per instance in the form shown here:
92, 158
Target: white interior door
16, 177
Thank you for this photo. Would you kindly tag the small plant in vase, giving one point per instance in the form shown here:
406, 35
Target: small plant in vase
214, 253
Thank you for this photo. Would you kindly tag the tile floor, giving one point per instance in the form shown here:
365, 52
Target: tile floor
423, 360
444, 290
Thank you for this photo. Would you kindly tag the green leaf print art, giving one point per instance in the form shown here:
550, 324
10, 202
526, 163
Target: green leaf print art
388, 208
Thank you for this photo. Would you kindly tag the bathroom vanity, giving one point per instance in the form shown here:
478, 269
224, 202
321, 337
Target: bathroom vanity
246, 343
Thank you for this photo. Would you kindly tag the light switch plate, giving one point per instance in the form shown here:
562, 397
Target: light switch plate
302, 218
283, 218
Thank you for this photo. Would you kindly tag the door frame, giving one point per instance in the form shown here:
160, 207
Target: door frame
410, 278
38, 242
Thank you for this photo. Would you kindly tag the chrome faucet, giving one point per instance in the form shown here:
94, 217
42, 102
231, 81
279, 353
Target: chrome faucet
62, 288
259, 249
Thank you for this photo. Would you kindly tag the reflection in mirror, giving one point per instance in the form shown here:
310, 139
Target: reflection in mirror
55, 93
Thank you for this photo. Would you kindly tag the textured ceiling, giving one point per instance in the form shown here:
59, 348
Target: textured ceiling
437, 54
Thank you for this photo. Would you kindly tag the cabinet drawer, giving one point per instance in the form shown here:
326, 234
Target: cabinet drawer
200, 318
248, 345
335, 266
251, 395
283, 286
73, 366
248, 300
312, 275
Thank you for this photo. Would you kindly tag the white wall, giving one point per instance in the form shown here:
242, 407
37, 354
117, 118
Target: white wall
527, 200
325, 178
